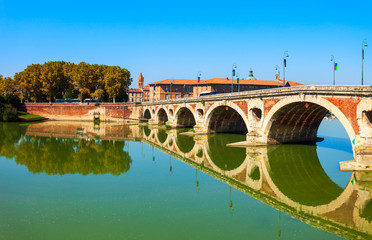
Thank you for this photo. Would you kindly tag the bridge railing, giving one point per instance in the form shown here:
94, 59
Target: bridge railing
360, 91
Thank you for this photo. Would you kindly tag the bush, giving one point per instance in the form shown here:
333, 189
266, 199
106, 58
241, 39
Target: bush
10, 114
2, 108
12, 99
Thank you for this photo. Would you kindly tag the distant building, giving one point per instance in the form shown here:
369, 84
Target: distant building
183, 88
140, 94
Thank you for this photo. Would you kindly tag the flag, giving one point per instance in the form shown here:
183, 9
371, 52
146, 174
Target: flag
233, 72
198, 79
237, 80
285, 62
362, 53
335, 67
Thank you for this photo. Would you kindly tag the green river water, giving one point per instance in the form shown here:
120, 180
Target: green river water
83, 181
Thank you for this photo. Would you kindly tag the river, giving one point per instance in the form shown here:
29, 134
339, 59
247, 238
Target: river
64, 180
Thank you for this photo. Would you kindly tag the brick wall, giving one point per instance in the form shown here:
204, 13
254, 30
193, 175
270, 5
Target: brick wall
81, 111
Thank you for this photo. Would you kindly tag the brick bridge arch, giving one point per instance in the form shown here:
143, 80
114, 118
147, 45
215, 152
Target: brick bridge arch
185, 117
297, 120
226, 117
147, 114
162, 116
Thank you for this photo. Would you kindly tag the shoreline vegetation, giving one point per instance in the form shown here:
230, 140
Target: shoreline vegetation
60, 80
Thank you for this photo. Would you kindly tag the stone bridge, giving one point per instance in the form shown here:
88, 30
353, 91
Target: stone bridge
274, 116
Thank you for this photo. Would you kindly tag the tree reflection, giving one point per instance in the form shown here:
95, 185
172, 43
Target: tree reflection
10, 134
63, 156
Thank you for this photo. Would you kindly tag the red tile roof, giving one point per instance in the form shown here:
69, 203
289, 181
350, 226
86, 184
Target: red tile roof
223, 81
134, 91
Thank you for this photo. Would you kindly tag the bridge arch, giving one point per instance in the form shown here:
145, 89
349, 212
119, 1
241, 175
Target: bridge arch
162, 116
147, 114
226, 118
185, 117
297, 120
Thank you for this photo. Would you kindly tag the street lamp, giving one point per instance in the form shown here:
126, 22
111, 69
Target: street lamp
364, 45
278, 72
334, 68
232, 78
285, 56
197, 83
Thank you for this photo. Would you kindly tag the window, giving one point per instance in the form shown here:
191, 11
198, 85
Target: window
166, 96
176, 96
176, 89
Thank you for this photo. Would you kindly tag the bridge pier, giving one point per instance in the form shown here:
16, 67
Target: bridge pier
362, 158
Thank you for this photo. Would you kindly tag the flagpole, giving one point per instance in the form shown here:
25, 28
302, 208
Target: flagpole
285, 56
237, 81
364, 45
232, 77
334, 72
334, 68
197, 84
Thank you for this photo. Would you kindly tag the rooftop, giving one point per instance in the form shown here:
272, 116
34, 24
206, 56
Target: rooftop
223, 81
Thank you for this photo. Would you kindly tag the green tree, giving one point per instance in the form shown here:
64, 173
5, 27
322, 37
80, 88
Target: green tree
85, 77
29, 81
53, 79
7, 86
117, 80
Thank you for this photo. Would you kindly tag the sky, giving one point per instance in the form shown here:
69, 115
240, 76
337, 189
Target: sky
178, 39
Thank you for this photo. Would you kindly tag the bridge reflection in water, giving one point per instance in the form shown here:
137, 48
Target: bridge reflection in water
289, 178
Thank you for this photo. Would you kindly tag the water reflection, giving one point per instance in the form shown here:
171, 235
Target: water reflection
52, 155
289, 178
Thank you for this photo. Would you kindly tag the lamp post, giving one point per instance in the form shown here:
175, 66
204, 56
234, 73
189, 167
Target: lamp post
364, 45
334, 68
278, 72
197, 83
232, 78
285, 56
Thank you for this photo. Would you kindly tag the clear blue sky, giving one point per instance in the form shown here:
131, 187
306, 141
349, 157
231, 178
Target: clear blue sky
176, 39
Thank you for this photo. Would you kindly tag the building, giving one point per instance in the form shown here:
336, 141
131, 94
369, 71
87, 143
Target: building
182, 88
140, 94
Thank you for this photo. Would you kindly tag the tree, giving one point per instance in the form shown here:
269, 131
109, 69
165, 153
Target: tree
86, 78
53, 79
29, 81
7, 86
116, 81
98, 94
